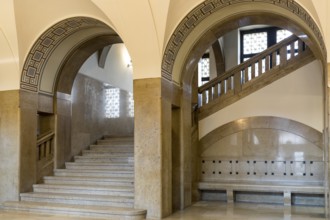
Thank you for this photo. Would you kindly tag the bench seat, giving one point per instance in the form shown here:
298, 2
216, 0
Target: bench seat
287, 188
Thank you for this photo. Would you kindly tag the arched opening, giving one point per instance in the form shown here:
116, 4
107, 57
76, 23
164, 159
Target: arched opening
197, 32
67, 76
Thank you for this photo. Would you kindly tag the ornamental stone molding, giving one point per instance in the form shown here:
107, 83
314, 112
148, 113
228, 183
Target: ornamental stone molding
45, 45
205, 9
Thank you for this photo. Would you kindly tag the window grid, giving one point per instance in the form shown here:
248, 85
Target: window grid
112, 101
130, 109
254, 41
204, 70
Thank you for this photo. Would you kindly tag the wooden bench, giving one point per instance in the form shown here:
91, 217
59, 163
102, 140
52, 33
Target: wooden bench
286, 188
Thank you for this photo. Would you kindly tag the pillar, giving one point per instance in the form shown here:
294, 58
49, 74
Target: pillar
9, 145
152, 147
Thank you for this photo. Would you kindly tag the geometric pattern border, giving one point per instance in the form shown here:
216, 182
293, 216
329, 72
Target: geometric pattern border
46, 44
203, 10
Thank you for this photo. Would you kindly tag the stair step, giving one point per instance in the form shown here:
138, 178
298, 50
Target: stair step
102, 163
95, 181
93, 173
102, 158
107, 153
112, 148
114, 213
78, 199
109, 137
98, 166
85, 189
116, 142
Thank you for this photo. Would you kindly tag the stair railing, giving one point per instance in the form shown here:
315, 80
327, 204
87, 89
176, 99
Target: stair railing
231, 82
45, 154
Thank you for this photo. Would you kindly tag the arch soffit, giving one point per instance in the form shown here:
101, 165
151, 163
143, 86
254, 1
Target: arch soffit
211, 13
59, 41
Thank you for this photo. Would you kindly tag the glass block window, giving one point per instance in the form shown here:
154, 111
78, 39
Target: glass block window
204, 69
130, 109
254, 43
282, 34
112, 103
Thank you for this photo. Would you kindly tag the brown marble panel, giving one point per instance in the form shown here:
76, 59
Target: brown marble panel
63, 130
45, 103
28, 139
9, 145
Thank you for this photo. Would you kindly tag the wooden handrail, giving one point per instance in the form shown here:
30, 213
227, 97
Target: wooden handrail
247, 63
45, 137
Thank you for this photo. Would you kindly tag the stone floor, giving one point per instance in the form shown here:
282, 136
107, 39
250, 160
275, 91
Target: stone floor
212, 211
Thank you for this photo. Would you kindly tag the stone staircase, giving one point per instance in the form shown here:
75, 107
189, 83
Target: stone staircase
100, 183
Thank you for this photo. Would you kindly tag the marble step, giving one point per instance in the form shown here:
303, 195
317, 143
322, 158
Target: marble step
95, 181
101, 163
93, 173
112, 148
78, 199
105, 153
98, 166
108, 212
116, 142
85, 189
117, 138
103, 158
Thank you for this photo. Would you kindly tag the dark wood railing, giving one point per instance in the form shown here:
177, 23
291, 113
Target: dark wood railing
45, 154
232, 81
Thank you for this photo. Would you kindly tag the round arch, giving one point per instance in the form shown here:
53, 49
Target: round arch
212, 14
196, 32
49, 56
47, 79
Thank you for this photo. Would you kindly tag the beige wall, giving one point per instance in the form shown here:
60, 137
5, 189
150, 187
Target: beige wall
297, 96
150, 23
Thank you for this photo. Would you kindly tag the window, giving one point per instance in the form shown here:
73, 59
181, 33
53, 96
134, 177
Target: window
204, 69
257, 40
130, 107
112, 101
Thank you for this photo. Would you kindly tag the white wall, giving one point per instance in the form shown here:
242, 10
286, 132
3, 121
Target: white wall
297, 96
116, 70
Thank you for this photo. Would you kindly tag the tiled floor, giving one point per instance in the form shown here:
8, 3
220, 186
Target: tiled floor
212, 211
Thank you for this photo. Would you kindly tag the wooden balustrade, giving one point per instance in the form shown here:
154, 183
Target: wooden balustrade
231, 82
45, 154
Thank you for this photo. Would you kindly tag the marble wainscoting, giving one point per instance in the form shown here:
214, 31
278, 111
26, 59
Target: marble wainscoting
263, 160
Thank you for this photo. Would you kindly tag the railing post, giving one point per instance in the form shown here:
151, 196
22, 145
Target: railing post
283, 55
237, 82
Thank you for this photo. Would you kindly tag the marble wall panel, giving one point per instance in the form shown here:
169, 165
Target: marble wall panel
45, 103
63, 130
89, 120
263, 151
28, 139
9, 145
176, 160
153, 163
264, 143
148, 151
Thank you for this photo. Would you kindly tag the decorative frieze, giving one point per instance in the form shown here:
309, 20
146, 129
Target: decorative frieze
208, 7
46, 44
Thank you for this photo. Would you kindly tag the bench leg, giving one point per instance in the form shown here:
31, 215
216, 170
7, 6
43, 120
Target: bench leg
230, 196
287, 198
